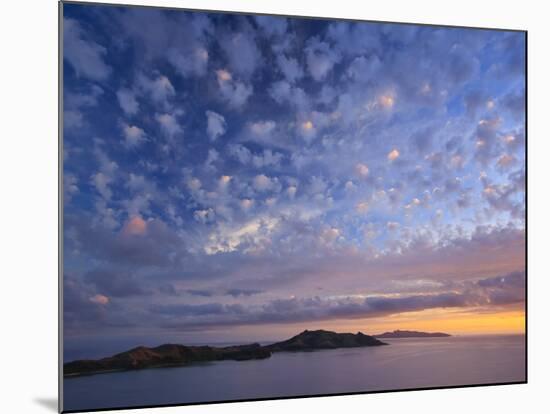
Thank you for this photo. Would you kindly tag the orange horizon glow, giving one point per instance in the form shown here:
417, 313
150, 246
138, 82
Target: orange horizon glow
452, 321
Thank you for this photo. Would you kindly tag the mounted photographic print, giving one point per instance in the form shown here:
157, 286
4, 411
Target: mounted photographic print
260, 207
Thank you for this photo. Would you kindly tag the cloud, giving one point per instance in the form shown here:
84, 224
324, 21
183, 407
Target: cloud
393, 155
169, 124
115, 284
251, 236
241, 51
240, 152
392, 225
70, 187
99, 299
200, 292
320, 58
85, 56
364, 69
212, 157
506, 160
291, 191
216, 125
246, 203
362, 207
362, 170
127, 101
136, 226
236, 93
357, 39
291, 69
262, 182
486, 139
262, 129
267, 158
316, 308
272, 25
205, 216
156, 247
160, 89
283, 92
193, 62
133, 135
75, 105
236, 292
101, 182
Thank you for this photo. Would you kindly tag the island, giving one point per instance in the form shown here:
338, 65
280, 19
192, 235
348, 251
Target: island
176, 355
164, 356
320, 339
411, 334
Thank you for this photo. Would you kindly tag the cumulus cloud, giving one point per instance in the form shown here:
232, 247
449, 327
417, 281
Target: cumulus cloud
76, 104
320, 58
262, 129
99, 299
85, 56
364, 69
169, 124
506, 160
193, 62
133, 135
234, 92
393, 155
216, 125
362, 170
101, 182
70, 187
486, 139
136, 226
127, 101
241, 51
204, 216
262, 182
291, 69
159, 88
283, 92
272, 25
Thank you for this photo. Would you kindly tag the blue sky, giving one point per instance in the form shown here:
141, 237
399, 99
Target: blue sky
233, 177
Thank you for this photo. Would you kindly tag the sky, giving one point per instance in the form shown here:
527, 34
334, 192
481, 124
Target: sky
233, 178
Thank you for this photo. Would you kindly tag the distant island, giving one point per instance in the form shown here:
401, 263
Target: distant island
314, 340
175, 355
411, 334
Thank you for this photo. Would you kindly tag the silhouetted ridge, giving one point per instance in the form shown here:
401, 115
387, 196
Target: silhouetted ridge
411, 334
174, 355
320, 339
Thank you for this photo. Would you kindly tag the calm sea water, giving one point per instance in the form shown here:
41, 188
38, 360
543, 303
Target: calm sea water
406, 363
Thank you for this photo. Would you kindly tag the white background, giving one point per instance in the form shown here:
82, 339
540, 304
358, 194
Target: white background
28, 204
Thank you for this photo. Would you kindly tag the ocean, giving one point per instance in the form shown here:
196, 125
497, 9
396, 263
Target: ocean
406, 363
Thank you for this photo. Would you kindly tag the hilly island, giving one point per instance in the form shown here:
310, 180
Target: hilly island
176, 355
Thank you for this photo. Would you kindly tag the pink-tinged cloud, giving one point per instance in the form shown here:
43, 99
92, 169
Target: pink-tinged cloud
99, 299
135, 226
393, 155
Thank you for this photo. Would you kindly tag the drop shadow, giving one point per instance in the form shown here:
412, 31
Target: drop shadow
49, 403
